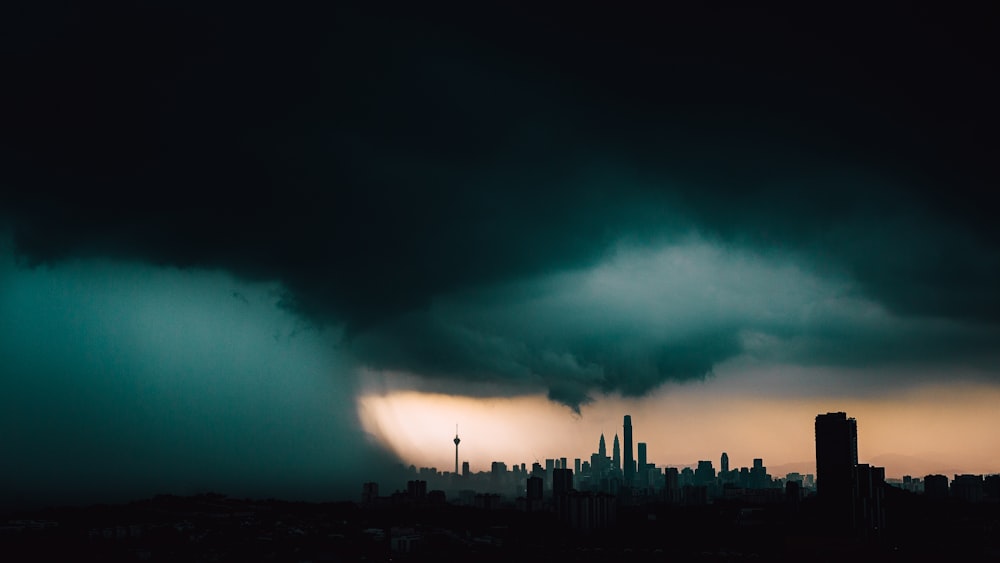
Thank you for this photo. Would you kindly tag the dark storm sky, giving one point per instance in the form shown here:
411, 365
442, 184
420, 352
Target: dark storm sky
501, 200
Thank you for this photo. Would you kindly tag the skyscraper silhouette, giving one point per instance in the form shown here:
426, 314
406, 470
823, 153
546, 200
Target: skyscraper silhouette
616, 454
562, 481
836, 453
869, 496
936, 486
705, 473
534, 488
724, 465
629, 457
836, 459
602, 448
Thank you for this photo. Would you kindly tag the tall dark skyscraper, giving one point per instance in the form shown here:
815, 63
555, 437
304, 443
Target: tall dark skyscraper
836, 453
836, 459
602, 448
724, 465
616, 454
629, 456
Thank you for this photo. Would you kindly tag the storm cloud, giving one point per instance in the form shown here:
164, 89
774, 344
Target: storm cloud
649, 315
519, 201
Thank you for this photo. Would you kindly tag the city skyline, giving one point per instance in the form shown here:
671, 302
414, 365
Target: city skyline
846, 494
848, 509
944, 441
621, 467
277, 252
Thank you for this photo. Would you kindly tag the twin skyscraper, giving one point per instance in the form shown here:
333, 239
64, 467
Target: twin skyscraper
628, 467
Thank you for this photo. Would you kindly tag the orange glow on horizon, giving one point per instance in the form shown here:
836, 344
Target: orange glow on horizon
929, 429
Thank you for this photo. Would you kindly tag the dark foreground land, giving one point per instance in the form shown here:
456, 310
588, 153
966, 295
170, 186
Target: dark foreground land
212, 527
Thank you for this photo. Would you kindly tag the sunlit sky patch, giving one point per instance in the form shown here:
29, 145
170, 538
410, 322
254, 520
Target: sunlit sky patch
916, 431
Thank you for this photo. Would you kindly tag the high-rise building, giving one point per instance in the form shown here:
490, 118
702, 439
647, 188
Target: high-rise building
642, 469
836, 460
759, 478
705, 473
936, 486
836, 453
744, 477
724, 464
465, 468
597, 464
869, 495
616, 455
991, 487
602, 448
629, 457
537, 470
968, 488
671, 484
562, 482
534, 488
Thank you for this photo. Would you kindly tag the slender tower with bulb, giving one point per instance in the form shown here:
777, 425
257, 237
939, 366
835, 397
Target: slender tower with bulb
456, 449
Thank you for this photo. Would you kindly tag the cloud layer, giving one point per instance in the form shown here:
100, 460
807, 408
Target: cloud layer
341, 152
577, 203
645, 316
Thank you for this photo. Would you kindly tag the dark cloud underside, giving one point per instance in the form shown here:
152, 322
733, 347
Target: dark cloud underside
372, 163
